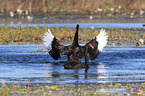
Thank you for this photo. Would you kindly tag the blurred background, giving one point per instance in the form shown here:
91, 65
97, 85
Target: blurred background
71, 6
67, 11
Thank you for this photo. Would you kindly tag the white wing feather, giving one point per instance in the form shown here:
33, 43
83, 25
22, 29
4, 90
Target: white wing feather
102, 39
47, 38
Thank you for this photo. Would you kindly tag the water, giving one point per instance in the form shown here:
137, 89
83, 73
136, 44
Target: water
71, 21
22, 64
104, 25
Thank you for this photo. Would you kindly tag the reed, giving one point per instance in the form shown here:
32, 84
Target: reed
72, 6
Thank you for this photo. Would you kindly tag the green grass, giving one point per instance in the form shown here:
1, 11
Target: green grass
35, 34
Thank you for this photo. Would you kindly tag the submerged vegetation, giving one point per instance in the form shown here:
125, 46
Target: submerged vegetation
35, 34
127, 89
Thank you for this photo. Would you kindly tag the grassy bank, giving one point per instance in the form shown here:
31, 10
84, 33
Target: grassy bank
35, 34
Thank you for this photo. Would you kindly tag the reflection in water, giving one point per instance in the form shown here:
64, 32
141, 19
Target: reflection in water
102, 73
76, 73
40, 19
48, 72
57, 75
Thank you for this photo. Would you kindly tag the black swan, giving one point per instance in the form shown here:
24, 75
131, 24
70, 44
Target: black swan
75, 52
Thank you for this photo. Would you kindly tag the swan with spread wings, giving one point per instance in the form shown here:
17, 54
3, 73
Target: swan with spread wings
75, 52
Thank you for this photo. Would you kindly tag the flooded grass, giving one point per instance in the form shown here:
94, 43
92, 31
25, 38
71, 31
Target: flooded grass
80, 90
35, 34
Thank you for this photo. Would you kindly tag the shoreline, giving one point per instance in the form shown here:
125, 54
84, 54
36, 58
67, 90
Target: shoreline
110, 44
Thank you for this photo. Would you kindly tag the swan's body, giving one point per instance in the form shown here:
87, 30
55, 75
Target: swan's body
75, 52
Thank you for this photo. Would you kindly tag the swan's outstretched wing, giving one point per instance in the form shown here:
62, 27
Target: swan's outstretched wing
47, 39
96, 45
53, 46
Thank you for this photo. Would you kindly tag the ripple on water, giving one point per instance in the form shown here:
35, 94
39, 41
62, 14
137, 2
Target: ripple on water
22, 64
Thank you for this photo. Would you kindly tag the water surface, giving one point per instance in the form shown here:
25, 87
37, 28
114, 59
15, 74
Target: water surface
20, 64
97, 25
66, 20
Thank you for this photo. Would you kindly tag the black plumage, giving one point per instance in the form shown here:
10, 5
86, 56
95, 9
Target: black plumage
75, 52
